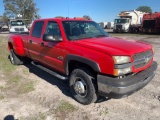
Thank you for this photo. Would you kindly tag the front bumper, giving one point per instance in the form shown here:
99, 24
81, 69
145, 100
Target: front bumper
120, 30
118, 88
20, 32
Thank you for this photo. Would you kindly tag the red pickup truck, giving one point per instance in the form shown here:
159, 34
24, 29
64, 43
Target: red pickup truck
80, 51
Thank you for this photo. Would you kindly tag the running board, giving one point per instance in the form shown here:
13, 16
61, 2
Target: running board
49, 71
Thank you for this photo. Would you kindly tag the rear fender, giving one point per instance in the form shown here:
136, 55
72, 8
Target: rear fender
16, 43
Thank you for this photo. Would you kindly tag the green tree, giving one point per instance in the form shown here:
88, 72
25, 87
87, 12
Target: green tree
26, 8
5, 19
59, 17
87, 17
144, 9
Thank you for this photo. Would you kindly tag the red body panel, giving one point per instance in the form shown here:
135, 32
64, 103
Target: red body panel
100, 50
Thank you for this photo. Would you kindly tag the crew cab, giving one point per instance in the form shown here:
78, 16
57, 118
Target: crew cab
81, 52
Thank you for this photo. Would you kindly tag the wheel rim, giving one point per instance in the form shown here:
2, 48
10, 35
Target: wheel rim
80, 87
11, 58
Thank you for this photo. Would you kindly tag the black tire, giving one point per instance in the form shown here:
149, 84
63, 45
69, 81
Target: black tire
15, 59
83, 76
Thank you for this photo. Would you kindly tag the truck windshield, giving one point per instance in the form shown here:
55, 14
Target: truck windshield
76, 30
17, 23
121, 21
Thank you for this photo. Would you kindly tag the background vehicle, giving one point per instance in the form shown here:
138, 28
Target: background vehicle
80, 51
110, 25
129, 21
151, 23
4, 28
17, 26
103, 25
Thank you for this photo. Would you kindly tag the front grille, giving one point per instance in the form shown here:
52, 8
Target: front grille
119, 27
16, 29
145, 57
19, 29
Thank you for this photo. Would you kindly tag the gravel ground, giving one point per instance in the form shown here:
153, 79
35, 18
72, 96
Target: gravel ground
51, 98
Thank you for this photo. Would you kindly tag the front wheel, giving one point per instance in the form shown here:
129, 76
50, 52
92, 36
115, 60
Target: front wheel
82, 86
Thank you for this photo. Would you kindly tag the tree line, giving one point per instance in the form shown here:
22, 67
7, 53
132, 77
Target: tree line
26, 8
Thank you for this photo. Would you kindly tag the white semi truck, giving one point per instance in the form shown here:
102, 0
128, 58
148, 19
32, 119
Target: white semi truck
128, 21
17, 26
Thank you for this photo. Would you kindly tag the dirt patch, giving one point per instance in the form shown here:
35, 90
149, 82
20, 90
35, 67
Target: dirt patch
28, 93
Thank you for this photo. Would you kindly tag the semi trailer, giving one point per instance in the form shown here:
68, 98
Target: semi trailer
151, 23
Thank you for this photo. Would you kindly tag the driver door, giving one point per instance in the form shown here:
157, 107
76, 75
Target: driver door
53, 53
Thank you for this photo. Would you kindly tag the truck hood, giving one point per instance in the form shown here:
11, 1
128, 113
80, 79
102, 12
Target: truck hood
113, 46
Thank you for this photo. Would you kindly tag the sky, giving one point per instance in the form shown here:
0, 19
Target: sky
98, 10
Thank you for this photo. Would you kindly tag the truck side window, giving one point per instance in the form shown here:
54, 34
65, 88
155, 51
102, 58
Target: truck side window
53, 29
37, 29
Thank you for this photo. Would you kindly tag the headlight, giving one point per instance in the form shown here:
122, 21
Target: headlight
12, 30
122, 71
26, 30
121, 59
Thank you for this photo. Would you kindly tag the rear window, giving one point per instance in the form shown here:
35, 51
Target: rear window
37, 29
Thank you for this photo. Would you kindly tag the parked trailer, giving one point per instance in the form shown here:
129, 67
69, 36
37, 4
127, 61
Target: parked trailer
128, 21
103, 24
110, 25
151, 23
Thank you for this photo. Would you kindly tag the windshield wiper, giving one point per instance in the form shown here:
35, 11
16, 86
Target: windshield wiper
101, 36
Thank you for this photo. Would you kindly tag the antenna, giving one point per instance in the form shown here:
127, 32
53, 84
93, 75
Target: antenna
68, 8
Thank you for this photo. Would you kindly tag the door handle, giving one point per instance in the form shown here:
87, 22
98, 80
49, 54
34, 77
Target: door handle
30, 41
42, 44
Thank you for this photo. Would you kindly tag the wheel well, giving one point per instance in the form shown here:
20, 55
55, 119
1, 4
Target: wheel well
76, 64
10, 46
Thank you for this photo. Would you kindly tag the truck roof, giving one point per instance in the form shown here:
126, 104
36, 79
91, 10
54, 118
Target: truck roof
65, 19
18, 19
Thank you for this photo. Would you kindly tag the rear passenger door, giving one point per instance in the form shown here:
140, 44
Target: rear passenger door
35, 40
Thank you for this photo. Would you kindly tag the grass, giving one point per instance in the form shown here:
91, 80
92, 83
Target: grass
15, 82
65, 106
16, 79
104, 111
63, 109
1, 87
26, 71
39, 116
1, 97
26, 88
5, 64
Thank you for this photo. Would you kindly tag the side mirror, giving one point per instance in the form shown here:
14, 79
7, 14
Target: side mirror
51, 38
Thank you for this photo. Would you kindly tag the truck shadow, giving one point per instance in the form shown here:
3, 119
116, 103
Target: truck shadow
63, 85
